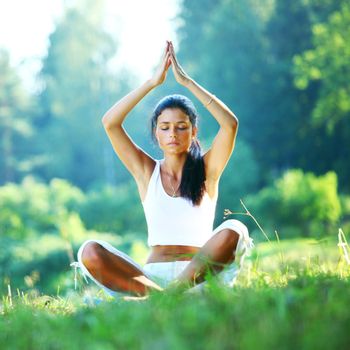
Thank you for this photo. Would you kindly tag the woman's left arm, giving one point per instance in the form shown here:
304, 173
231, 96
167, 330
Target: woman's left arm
221, 149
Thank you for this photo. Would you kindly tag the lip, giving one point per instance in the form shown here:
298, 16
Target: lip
173, 143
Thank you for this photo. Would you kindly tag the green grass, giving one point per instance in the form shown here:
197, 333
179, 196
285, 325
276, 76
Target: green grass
292, 295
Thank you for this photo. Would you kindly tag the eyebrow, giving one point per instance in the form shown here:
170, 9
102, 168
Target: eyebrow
180, 122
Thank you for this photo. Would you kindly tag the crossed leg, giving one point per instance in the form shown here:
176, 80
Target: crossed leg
116, 273
217, 252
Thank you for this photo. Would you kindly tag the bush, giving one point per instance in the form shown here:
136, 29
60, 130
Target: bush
345, 209
298, 204
114, 209
32, 207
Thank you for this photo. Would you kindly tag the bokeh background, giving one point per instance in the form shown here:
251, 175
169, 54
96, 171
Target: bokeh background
281, 66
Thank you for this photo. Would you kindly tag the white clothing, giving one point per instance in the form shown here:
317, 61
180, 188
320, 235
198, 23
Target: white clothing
175, 220
164, 272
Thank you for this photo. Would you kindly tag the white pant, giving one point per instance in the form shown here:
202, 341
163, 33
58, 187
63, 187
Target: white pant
164, 272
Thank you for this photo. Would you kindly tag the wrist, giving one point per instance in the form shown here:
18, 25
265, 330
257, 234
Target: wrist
151, 83
187, 83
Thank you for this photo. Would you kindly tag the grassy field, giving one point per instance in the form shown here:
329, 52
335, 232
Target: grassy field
290, 295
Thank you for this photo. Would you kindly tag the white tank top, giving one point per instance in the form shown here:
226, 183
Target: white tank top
175, 221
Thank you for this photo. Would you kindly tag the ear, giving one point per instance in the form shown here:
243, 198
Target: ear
194, 132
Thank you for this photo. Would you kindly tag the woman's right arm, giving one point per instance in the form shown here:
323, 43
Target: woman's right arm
137, 161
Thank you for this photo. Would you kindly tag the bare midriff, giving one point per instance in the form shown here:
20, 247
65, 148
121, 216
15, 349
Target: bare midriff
165, 253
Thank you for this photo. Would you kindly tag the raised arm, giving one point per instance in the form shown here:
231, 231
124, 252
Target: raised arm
221, 149
137, 161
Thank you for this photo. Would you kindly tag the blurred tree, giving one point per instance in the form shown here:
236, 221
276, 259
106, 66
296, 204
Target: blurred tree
222, 47
289, 109
327, 64
15, 122
243, 51
78, 89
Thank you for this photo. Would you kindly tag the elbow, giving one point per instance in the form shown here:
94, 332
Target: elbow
232, 122
106, 122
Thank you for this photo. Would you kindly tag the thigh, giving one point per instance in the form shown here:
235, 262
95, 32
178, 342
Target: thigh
125, 257
125, 260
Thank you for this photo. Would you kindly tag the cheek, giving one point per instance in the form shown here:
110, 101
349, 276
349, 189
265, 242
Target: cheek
159, 136
187, 135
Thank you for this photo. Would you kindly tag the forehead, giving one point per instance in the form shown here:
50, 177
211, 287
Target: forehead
173, 115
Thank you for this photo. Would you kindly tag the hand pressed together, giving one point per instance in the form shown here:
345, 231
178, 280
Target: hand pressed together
169, 58
179, 74
161, 72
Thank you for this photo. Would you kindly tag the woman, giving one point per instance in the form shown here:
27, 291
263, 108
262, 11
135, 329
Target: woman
178, 193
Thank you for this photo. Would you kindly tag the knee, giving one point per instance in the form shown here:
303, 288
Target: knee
91, 255
237, 226
228, 238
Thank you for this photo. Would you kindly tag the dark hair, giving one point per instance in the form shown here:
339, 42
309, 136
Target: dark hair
192, 184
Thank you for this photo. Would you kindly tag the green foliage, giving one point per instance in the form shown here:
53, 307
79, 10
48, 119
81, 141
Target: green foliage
283, 305
32, 207
15, 122
233, 184
114, 209
345, 209
39, 262
328, 63
244, 52
222, 46
298, 204
41, 227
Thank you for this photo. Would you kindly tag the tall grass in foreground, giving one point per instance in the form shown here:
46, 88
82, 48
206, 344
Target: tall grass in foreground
290, 295
304, 309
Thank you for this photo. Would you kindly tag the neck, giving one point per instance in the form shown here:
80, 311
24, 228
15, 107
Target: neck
173, 164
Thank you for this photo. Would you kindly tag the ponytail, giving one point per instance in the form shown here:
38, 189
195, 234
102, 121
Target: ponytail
193, 178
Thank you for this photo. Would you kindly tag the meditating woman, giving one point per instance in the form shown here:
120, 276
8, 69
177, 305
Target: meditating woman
178, 194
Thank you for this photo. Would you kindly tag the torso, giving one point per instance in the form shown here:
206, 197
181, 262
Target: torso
166, 253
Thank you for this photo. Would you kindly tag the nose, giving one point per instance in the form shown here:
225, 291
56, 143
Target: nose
173, 132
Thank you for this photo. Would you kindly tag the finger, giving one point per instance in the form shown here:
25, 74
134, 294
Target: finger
168, 63
166, 60
174, 66
173, 52
166, 49
174, 61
